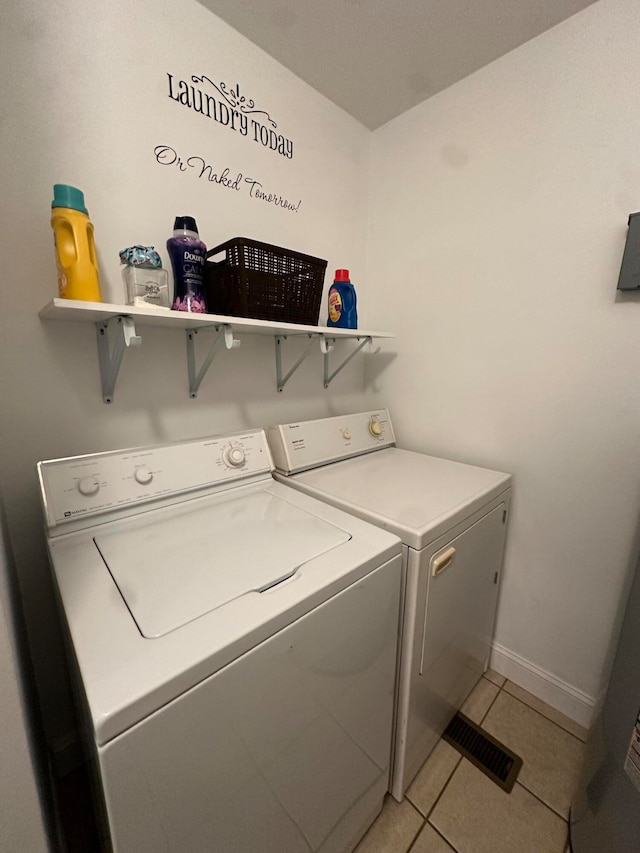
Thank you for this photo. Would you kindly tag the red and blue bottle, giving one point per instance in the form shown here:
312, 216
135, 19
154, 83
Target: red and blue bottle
343, 305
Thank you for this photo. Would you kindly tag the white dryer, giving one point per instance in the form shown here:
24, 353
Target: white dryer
235, 643
451, 518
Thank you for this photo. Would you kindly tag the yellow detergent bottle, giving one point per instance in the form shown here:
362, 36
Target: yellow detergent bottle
75, 250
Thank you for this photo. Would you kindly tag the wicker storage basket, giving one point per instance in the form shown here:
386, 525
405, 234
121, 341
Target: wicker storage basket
264, 282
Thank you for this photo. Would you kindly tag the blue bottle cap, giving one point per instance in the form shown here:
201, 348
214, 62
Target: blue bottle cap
66, 196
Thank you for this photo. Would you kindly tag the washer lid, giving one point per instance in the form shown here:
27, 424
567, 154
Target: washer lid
172, 571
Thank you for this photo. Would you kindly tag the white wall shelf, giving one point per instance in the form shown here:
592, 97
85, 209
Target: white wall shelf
117, 326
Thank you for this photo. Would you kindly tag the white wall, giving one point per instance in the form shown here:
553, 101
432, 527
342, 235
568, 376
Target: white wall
498, 221
86, 102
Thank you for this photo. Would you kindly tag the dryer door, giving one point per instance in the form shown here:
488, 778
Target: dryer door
462, 593
456, 589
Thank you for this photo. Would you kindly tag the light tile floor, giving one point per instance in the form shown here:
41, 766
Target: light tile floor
451, 807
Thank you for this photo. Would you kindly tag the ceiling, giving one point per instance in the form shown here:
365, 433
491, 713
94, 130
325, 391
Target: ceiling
378, 58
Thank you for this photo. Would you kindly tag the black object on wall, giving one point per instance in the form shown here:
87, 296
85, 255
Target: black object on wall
630, 269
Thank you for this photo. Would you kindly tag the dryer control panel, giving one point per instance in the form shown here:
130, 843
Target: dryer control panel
308, 444
103, 482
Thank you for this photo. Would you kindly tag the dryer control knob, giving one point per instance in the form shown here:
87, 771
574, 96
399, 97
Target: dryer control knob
374, 428
346, 434
143, 475
234, 456
88, 486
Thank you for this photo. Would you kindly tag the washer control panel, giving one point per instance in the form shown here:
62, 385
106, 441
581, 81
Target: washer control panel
102, 482
307, 444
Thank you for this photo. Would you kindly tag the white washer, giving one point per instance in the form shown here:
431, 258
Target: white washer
236, 646
452, 520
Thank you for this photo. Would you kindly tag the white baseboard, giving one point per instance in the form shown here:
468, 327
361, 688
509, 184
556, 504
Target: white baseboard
546, 686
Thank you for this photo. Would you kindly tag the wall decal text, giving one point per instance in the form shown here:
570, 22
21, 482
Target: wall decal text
165, 155
232, 109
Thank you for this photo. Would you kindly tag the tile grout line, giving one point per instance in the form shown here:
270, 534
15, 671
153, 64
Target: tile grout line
444, 838
444, 788
544, 717
540, 800
452, 774
420, 828
437, 831
426, 817
437, 799
425, 820
499, 686
493, 701
518, 782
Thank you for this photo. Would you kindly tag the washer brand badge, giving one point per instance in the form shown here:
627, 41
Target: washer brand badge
69, 512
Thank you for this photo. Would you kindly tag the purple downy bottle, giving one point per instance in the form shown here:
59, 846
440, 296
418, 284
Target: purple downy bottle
187, 253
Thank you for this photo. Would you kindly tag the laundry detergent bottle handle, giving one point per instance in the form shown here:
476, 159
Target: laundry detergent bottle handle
78, 276
188, 254
343, 304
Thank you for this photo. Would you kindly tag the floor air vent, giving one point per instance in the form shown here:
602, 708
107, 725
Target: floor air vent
488, 754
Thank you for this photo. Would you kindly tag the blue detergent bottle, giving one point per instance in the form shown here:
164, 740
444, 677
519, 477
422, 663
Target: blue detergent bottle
343, 305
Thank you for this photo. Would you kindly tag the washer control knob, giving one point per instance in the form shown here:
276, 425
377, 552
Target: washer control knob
234, 457
143, 475
346, 434
88, 486
374, 428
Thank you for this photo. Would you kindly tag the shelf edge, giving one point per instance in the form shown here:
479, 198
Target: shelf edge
76, 311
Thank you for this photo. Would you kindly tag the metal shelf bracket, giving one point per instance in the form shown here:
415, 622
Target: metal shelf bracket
223, 333
326, 346
280, 379
114, 336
